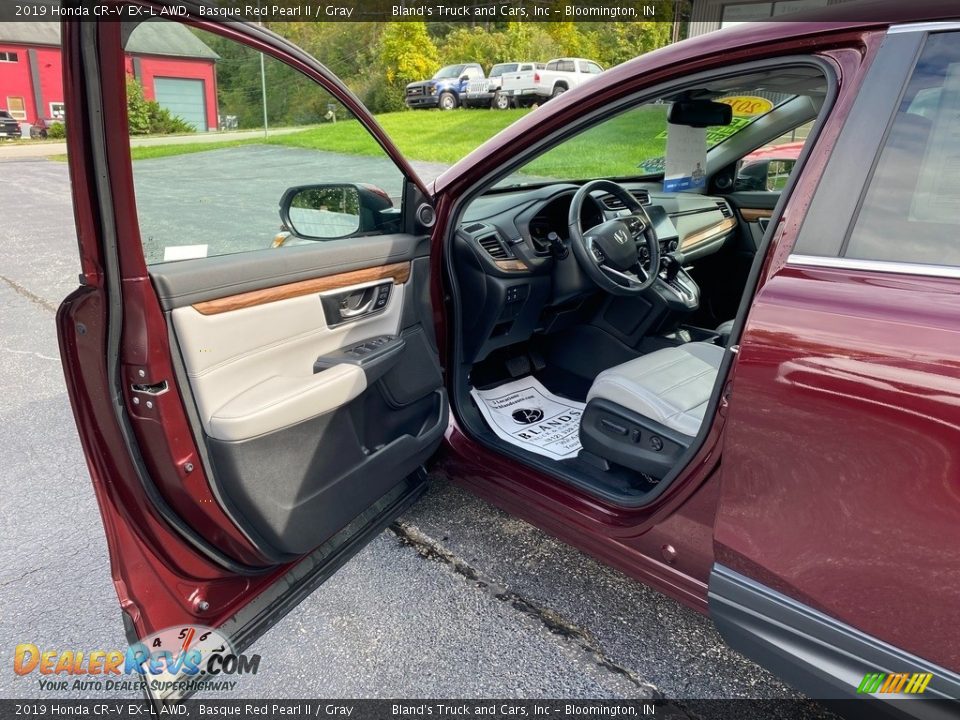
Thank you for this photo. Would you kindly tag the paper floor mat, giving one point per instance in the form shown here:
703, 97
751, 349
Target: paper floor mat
524, 413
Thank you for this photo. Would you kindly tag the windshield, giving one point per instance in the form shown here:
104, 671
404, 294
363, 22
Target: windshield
633, 143
498, 70
450, 71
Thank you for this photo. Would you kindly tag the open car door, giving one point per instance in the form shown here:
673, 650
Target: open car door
255, 392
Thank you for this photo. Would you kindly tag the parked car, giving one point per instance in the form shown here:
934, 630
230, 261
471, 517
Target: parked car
485, 92
526, 87
9, 127
445, 89
771, 438
41, 128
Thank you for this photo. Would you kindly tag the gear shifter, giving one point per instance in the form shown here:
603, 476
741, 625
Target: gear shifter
673, 264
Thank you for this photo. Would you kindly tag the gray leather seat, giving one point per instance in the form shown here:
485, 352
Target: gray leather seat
724, 329
670, 386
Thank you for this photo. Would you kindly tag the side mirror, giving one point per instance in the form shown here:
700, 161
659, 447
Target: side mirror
464, 78
769, 175
327, 211
778, 172
752, 176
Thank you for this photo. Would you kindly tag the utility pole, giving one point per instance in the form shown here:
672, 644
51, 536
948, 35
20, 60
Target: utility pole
263, 84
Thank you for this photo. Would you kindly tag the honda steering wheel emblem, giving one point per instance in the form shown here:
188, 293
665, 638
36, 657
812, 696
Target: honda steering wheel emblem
526, 416
621, 236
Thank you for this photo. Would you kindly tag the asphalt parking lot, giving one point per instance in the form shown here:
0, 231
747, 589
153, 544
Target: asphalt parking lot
400, 620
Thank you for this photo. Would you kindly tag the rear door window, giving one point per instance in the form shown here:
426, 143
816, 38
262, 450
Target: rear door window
911, 209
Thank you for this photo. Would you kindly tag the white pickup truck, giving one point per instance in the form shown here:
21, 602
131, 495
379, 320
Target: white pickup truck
485, 92
537, 86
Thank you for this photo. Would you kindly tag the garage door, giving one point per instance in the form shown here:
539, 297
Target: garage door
183, 98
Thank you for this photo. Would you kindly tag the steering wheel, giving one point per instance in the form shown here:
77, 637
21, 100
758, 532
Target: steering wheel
611, 252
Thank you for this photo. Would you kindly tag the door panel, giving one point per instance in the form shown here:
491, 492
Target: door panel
298, 449
273, 347
241, 444
754, 207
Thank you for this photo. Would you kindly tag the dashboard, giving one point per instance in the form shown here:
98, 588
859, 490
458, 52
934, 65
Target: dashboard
513, 280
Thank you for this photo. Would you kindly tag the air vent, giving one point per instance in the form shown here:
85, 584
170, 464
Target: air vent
611, 202
473, 228
493, 246
724, 208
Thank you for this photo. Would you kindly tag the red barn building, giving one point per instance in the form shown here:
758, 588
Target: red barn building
174, 66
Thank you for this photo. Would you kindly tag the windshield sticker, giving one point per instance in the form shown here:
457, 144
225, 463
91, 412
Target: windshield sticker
747, 105
686, 158
526, 414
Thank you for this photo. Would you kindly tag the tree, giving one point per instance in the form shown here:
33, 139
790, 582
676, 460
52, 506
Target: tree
475, 45
407, 53
617, 42
572, 41
147, 117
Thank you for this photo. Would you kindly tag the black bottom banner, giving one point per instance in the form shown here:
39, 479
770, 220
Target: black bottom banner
485, 709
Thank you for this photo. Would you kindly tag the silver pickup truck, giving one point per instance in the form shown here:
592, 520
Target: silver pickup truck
538, 85
485, 92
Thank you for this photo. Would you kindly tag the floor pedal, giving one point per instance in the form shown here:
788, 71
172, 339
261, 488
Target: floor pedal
539, 364
518, 366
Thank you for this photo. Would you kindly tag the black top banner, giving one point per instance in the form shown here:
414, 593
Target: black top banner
466, 11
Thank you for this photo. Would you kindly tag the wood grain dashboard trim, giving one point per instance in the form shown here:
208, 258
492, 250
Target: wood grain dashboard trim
708, 233
398, 272
511, 265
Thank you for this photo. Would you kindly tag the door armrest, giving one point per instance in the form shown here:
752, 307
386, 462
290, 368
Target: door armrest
374, 356
281, 401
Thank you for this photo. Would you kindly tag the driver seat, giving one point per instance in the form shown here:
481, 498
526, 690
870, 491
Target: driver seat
643, 414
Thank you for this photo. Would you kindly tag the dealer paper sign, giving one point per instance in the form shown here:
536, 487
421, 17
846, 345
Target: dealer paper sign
526, 414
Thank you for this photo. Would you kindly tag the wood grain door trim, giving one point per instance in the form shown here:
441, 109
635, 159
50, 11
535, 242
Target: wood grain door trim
398, 272
754, 214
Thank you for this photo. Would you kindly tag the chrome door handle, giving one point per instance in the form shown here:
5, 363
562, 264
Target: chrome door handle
348, 312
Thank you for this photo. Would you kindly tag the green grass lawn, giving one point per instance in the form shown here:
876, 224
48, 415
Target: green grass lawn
430, 135
613, 148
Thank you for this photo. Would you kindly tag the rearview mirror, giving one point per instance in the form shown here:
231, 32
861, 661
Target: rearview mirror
329, 210
699, 113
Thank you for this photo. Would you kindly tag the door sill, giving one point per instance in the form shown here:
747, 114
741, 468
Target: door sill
816, 653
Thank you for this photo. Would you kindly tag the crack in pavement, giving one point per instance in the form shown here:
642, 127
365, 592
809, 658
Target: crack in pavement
22, 291
430, 549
